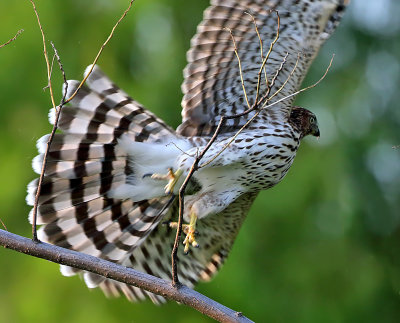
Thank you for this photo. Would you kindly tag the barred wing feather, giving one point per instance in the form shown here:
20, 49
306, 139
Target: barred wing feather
212, 85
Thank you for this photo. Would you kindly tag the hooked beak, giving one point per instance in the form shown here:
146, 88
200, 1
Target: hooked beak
315, 131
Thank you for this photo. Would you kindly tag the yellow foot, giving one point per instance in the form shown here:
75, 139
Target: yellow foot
171, 177
190, 231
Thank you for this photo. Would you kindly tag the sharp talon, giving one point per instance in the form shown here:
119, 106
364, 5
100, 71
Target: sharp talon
147, 175
190, 231
166, 222
172, 178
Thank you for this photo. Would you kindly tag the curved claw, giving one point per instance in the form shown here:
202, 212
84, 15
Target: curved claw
172, 178
190, 231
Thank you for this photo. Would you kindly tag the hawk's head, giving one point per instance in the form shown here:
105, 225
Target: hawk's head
304, 121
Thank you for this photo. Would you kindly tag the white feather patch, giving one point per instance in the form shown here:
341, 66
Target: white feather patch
31, 189
67, 271
37, 164
41, 144
72, 86
91, 281
87, 70
52, 115
42, 236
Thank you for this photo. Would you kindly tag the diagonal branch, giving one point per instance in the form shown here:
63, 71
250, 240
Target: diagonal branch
46, 57
12, 39
108, 269
101, 50
240, 65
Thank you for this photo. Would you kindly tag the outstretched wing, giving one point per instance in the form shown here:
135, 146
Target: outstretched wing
212, 85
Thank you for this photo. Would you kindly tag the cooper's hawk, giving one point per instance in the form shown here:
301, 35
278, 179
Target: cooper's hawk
97, 197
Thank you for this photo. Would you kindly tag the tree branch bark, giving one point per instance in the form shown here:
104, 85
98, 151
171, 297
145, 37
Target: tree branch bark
181, 293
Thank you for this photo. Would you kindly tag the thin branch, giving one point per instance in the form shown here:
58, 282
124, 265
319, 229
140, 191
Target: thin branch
280, 69
101, 50
271, 47
45, 54
35, 205
51, 72
126, 275
2, 223
181, 196
265, 106
240, 65
266, 98
287, 79
261, 45
60, 65
12, 39
180, 149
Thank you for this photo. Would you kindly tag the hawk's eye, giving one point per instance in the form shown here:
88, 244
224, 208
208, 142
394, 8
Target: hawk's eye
312, 119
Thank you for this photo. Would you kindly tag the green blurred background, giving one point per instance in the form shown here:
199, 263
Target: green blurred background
323, 246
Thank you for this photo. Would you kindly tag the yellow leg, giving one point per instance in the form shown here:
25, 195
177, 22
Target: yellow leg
172, 178
190, 231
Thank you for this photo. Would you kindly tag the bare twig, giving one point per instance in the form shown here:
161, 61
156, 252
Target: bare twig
280, 69
261, 45
265, 106
271, 47
45, 54
2, 223
51, 72
240, 65
180, 149
265, 97
35, 205
60, 65
122, 274
287, 79
101, 51
12, 39
181, 196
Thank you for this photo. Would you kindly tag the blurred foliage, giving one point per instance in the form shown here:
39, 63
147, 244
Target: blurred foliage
322, 246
